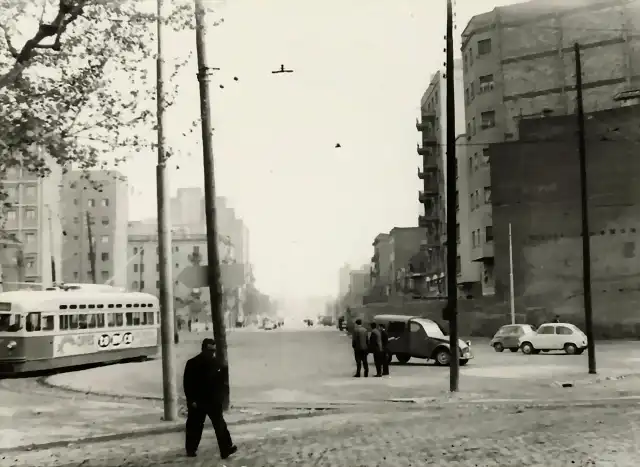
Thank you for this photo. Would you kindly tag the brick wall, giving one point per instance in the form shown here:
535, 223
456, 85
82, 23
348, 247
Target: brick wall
536, 188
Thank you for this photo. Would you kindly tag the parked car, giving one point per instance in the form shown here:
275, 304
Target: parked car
414, 337
554, 336
508, 337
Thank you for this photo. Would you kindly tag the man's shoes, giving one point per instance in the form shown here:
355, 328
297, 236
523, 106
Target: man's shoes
192, 454
232, 450
356, 375
378, 376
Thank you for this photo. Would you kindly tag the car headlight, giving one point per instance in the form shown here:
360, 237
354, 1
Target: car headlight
12, 345
468, 343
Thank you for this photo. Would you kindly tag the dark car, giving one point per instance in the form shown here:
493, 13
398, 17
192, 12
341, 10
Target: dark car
508, 337
414, 337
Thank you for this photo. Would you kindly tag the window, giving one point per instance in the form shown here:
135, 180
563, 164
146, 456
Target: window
466, 96
34, 322
477, 195
141, 285
565, 331
471, 202
76, 220
104, 239
470, 56
30, 191
30, 214
48, 323
100, 320
177, 249
484, 47
414, 327
473, 126
104, 275
30, 263
148, 317
75, 275
115, 320
104, 256
135, 250
487, 195
458, 265
474, 240
129, 319
63, 322
105, 202
457, 200
91, 203
485, 156
11, 215
92, 322
135, 267
75, 202
105, 221
486, 84
83, 321
488, 119
76, 237
157, 267
134, 285
488, 233
458, 234
29, 238
137, 318
157, 284
546, 330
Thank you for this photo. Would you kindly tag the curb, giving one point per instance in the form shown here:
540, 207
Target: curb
527, 403
171, 427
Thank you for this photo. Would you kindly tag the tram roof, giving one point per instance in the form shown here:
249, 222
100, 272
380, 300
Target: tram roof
24, 297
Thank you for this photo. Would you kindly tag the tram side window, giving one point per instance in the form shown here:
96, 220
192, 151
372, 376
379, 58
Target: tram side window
100, 320
136, 318
48, 323
129, 319
82, 321
111, 320
147, 318
119, 319
34, 322
93, 321
63, 322
10, 322
73, 321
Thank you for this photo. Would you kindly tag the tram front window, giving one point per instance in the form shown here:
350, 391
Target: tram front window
10, 322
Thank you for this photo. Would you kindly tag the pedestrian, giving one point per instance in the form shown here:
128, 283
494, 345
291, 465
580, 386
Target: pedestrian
360, 345
557, 319
375, 347
385, 350
203, 388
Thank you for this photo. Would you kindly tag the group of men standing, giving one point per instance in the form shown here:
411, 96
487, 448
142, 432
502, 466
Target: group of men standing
374, 342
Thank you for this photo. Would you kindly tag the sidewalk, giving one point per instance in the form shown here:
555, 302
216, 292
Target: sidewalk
25, 425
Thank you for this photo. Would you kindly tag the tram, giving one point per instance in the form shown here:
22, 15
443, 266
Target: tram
44, 330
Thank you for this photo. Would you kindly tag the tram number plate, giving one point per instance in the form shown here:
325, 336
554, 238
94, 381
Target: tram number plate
115, 340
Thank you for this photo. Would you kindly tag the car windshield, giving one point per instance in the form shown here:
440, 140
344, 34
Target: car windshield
508, 330
10, 322
432, 329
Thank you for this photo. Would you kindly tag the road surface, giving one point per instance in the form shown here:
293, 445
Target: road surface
316, 366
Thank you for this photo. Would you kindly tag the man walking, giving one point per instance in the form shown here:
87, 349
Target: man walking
203, 388
385, 350
375, 345
360, 346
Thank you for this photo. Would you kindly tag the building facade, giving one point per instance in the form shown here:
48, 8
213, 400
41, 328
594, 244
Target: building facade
96, 206
433, 129
518, 62
469, 274
31, 215
537, 190
405, 242
381, 273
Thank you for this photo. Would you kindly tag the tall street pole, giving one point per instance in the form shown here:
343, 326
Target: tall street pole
584, 201
213, 259
169, 387
452, 241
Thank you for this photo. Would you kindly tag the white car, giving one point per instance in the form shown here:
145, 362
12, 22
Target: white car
554, 336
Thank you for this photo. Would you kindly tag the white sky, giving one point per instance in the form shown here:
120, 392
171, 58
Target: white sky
361, 67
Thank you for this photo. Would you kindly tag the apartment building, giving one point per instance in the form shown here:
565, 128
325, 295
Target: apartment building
518, 63
96, 205
468, 271
31, 216
433, 173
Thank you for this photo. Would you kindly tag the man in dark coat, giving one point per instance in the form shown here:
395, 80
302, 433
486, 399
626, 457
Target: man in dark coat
375, 346
385, 350
360, 346
203, 388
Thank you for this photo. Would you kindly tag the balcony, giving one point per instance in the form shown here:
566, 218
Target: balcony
426, 150
483, 252
428, 219
428, 121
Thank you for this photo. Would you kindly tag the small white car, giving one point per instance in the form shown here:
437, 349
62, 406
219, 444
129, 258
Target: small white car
554, 336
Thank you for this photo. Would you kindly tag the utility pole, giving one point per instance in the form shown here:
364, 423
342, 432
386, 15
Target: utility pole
213, 260
452, 241
169, 386
512, 295
51, 252
584, 201
141, 270
92, 252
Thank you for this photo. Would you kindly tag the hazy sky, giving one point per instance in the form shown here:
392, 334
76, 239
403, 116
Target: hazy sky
361, 67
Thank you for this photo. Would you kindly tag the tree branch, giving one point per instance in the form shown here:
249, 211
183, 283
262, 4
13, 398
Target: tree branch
68, 11
7, 38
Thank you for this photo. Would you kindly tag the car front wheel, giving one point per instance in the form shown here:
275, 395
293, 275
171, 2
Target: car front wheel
527, 348
498, 347
403, 358
463, 361
443, 357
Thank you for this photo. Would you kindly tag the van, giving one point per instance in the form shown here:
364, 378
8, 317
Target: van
415, 337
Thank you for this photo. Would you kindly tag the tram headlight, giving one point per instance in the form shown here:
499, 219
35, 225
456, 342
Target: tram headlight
12, 345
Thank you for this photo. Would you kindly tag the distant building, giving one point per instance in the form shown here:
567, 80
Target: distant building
359, 285
101, 198
11, 262
32, 216
404, 242
381, 272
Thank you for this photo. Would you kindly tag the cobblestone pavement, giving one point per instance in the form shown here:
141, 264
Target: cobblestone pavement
483, 435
